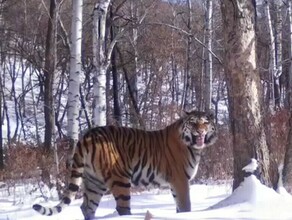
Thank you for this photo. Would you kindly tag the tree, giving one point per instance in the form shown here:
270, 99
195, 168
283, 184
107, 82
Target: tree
244, 88
287, 170
75, 70
1, 85
101, 61
209, 63
49, 73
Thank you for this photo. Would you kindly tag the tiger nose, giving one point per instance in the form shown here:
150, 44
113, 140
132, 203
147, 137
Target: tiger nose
200, 131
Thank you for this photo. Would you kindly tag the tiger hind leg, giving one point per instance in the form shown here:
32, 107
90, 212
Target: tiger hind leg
91, 199
121, 192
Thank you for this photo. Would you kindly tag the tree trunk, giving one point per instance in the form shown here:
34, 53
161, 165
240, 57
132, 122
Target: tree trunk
287, 170
49, 72
134, 117
244, 86
278, 54
75, 70
1, 85
101, 62
1, 119
209, 63
116, 93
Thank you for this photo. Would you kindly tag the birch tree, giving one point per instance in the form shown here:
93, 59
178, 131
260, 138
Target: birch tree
101, 61
272, 61
133, 77
209, 63
1, 85
278, 55
243, 84
75, 70
275, 65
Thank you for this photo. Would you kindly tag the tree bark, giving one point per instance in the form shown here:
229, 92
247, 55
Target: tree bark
287, 170
278, 53
75, 70
101, 62
1, 86
116, 93
134, 120
209, 59
244, 88
49, 72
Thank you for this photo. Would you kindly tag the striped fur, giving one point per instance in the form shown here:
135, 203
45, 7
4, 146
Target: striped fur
112, 158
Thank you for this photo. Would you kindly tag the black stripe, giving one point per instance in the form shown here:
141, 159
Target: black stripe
50, 212
144, 160
191, 165
75, 174
59, 209
144, 183
93, 179
136, 181
151, 178
79, 146
123, 197
149, 170
192, 153
93, 152
76, 163
188, 176
120, 207
93, 191
44, 211
66, 200
94, 203
121, 184
37, 207
73, 187
136, 167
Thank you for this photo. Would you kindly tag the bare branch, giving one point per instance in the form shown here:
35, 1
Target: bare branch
190, 35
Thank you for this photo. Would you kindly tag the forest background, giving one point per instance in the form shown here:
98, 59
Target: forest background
134, 63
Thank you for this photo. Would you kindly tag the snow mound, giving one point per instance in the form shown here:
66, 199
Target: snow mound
254, 197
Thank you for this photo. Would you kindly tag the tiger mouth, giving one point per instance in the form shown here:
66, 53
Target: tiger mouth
200, 140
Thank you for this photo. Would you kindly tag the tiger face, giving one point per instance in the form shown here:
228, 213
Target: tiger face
198, 130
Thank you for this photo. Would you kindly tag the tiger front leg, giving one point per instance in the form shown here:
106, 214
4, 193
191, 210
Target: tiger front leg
181, 194
121, 192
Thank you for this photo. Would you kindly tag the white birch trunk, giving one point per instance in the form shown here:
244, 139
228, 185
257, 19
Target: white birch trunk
275, 66
272, 63
133, 78
209, 61
278, 55
101, 62
75, 70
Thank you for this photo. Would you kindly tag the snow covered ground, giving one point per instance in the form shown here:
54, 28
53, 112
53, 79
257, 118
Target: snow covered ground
251, 200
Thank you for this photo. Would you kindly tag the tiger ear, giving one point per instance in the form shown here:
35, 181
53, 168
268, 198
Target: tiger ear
211, 115
184, 113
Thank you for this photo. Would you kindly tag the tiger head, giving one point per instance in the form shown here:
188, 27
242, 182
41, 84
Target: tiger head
198, 130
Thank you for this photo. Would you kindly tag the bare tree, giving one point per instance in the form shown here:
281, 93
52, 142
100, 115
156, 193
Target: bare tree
101, 61
49, 73
244, 88
209, 58
287, 170
75, 70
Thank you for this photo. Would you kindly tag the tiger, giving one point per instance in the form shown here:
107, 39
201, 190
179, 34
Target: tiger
113, 159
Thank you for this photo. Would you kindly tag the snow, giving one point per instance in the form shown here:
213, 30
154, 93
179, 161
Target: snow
251, 200
251, 167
